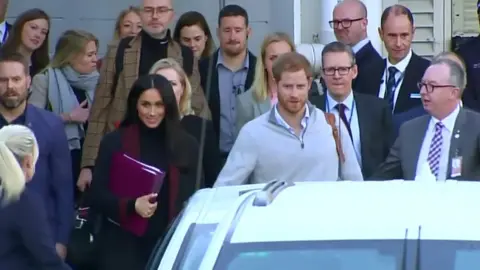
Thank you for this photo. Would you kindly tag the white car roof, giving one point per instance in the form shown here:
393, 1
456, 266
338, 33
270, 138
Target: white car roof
210, 205
365, 210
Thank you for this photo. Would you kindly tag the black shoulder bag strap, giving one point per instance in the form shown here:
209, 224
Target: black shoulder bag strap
122, 46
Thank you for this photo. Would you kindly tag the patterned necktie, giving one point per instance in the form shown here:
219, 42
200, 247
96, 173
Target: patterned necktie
435, 149
390, 86
341, 112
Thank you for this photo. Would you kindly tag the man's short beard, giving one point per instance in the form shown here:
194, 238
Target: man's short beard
13, 104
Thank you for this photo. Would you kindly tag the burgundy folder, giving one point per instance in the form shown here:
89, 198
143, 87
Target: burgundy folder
130, 178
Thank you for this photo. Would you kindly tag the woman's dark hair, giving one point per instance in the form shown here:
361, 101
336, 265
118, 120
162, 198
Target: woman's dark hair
40, 57
174, 133
195, 18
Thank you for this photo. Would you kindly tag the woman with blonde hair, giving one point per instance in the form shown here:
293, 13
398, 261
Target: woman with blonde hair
171, 69
128, 23
263, 94
26, 242
68, 85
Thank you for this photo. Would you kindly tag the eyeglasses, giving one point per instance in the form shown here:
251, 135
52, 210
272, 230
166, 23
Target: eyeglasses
341, 70
150, 11
431, 87
345, 23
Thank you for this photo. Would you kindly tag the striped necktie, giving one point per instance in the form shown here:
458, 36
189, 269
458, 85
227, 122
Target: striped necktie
436, 149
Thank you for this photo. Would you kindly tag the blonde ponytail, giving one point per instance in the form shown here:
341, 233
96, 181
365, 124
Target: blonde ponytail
16, 142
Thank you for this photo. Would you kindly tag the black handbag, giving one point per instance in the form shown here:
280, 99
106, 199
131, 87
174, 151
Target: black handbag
81, 247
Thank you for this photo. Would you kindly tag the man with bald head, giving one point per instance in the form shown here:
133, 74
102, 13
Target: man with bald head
350, 27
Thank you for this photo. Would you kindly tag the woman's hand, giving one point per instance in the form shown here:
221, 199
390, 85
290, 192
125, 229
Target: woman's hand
146, 205
81, 113
84, 179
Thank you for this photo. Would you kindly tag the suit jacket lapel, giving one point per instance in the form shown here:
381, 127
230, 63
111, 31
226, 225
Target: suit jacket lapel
413, 144
131, 63
408, 84
363, 125
455, 144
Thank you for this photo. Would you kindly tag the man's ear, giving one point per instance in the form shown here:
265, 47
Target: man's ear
380, 34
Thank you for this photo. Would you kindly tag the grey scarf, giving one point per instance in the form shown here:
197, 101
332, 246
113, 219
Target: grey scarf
63, 100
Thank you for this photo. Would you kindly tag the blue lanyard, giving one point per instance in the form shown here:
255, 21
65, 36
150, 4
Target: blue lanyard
351, 110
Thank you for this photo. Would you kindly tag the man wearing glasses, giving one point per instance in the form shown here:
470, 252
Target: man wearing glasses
350, 27
368, 119
444, 144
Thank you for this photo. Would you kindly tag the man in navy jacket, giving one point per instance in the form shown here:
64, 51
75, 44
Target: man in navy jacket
53, 177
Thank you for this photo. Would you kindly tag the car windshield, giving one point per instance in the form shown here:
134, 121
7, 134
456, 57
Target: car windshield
352, 255
194, 246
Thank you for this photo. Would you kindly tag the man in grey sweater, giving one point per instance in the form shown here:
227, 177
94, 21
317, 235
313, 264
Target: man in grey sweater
293, 141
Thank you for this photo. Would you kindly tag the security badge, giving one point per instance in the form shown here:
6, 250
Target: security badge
456, 160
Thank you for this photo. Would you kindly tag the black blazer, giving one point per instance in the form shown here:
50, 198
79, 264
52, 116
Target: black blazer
413, 74
27, 242
366, 56
209, 142
208, 68
403, 117
471, 56
375, 125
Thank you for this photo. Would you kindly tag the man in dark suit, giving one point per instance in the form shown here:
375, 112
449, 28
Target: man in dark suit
396, 78
470, 54
445, 144
53, 177
400, 118
368, 119
403, 117
350, 27
228, 73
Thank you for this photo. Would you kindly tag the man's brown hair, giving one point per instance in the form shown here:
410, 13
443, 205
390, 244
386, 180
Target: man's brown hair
291, 62
15, 57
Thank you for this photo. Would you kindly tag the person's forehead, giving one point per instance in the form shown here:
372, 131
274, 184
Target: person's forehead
336, 58
233, 21
157, 3
437, 73
294, 76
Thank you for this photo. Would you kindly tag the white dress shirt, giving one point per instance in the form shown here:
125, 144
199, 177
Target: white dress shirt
3, 32
352, 117
357, 47
401, 67
447, 130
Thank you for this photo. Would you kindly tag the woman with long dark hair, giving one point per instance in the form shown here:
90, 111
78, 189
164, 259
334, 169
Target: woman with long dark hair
29, 37
150, 133
192, 30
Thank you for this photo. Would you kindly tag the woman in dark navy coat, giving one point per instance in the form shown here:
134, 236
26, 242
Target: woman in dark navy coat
26, 241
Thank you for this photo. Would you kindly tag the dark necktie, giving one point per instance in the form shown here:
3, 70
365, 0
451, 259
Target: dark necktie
390, 87
341, 112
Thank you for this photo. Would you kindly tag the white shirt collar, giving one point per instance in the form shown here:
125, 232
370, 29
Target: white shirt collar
357, 47
402, 65
449, 121
348, 102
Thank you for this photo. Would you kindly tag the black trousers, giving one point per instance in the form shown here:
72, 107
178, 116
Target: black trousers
121, 250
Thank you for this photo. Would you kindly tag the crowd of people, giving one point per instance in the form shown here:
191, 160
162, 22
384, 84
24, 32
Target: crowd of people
210, 117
